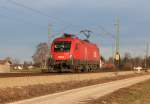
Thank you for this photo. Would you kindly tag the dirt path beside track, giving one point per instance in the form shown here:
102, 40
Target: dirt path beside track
135, 94
79, 95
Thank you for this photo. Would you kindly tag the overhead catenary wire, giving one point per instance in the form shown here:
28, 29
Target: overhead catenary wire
52, 17
104, 31
25, 22
22, 21
17, 20
42, 13
29, 8
3, 7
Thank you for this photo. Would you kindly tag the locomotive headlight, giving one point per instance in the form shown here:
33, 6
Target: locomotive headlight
71, 57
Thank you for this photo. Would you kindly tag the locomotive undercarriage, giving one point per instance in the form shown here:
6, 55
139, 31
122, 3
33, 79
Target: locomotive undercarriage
72, 66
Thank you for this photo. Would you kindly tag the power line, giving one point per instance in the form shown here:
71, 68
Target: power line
2, 7
39, 12
104, 31
29, 8
16, 20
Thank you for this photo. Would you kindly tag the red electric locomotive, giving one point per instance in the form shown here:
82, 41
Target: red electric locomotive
69, 53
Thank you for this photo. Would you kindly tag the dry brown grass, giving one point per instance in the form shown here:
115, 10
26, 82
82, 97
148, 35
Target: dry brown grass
35, 80
24, 92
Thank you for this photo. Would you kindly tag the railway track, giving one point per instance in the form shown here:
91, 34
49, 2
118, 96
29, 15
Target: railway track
28, 74
6, 75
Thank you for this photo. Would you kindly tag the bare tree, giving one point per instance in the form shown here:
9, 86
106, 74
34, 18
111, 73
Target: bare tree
8, 59
15, 61
149, 62
127, 61
110, 60
138, 61
127, 56
41, 55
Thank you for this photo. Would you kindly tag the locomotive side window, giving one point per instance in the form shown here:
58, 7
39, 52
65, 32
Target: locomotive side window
63, 46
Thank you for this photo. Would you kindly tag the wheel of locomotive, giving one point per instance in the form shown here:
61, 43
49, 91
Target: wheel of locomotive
94, 67
85, 68
76, 70
98, 68
73, 68
60, 69
50, 68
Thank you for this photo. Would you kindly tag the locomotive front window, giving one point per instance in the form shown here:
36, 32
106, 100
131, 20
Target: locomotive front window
62, 46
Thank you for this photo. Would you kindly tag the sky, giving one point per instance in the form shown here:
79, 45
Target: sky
24, 24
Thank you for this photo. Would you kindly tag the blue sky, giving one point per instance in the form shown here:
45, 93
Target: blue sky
22, 29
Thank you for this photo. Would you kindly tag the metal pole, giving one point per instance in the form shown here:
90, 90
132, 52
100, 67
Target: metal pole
117, 41
49, 35
146, 56
49, 39
117, 35
113, 52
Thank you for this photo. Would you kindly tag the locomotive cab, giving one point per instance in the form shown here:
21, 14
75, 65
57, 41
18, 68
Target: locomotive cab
61, 57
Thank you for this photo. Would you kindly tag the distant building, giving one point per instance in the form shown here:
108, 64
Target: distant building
17, 66
5, 66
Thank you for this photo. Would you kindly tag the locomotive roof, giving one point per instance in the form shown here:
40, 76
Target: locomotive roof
73, 39
70, 37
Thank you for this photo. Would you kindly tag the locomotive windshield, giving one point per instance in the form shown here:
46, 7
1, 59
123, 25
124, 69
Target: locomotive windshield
63, 46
